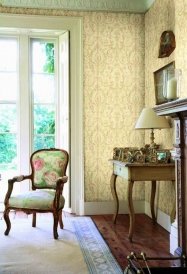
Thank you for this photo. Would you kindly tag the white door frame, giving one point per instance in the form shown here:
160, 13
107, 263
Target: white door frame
74, 26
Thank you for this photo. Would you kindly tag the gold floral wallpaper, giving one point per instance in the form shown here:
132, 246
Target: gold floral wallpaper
164, 15
120, 55
114, 95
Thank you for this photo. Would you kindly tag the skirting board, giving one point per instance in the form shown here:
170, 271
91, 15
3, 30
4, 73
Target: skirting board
162, 218
97, 208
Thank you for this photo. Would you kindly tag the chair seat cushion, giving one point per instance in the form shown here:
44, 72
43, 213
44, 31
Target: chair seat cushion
39, 200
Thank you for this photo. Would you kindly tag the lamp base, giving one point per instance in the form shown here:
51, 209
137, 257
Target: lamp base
154, 146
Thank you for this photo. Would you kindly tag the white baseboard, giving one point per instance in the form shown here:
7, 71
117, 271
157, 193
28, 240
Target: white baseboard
174, 238
97, 208
162, 218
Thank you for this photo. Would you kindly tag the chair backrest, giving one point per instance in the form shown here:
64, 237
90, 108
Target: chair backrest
47, 165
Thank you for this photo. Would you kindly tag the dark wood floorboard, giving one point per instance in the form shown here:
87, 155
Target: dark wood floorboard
149, 238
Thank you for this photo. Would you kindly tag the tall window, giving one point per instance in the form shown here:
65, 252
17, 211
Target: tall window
43, 93
8, 108
30, 99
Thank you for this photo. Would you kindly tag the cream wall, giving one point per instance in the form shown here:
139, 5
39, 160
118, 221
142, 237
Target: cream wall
113, 50
114, 95
165, 15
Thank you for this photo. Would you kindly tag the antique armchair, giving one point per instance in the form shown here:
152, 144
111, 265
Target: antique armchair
48, 175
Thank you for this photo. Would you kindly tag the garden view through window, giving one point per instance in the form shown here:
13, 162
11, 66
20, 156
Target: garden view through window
28, 101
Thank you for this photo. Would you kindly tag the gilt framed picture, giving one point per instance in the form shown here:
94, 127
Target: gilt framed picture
163, 156
159, 83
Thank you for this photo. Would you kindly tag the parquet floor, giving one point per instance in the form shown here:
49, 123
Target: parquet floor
151, 239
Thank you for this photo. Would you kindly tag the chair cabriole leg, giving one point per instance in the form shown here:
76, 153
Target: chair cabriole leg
7, 221
55, 225
34, 219
60, 219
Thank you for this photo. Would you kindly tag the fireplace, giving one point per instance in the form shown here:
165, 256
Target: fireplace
177, 110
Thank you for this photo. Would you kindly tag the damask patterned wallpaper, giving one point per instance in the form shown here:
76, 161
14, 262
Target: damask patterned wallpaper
114, 89
113, 92
114, 95
165, 15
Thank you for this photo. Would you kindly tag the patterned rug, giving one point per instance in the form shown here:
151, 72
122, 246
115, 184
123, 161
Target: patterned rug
80, 248
96, 252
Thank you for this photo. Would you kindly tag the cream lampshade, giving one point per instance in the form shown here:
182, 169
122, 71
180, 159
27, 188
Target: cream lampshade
148, 119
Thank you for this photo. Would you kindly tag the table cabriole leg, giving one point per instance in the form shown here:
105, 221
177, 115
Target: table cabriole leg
131, 209
152, 200
115, 196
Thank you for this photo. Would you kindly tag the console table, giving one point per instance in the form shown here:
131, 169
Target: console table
132, 172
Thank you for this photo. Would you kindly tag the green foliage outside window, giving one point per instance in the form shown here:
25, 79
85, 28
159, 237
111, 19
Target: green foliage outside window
44, 128
7, 137
49, 65
44, 117
8, 149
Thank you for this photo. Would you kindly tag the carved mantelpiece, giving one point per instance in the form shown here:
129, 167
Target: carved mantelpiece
178, 111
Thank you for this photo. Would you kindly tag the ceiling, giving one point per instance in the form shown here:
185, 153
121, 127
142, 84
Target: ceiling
134, 6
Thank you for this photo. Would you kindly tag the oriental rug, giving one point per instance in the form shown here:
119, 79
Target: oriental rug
80, 248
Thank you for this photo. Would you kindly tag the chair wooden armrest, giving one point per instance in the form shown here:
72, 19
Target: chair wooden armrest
61, 181
19, 178
59, 187
11, 182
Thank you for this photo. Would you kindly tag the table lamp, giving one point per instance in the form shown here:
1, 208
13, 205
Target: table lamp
148, 119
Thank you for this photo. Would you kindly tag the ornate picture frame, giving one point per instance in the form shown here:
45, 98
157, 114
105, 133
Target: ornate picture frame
163, 156
159, 83
128, 154
117, 153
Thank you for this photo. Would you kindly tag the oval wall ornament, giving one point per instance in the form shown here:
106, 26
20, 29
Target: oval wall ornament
167, 44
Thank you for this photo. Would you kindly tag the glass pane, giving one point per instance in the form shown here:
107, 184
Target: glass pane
44, 119
8, 54
43, 86
43, 142
8, 148
9, 85
8, 116
42, 56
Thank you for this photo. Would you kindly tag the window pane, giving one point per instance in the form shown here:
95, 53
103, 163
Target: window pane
43, 86
8, 117
43, 142
8, 69
43, 91
8, 54
8, 148
44, 119
43, 56
9, 84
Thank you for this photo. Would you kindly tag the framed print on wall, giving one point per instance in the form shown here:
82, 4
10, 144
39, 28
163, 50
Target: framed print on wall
159, 83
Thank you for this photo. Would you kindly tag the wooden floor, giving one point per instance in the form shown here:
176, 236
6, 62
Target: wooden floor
151, 239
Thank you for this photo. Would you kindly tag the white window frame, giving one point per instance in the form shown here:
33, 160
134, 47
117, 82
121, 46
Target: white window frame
10, 22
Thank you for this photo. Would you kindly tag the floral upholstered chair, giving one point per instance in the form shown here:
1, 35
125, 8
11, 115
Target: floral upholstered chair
48, 175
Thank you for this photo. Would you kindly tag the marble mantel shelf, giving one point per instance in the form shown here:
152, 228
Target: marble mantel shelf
172, 108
